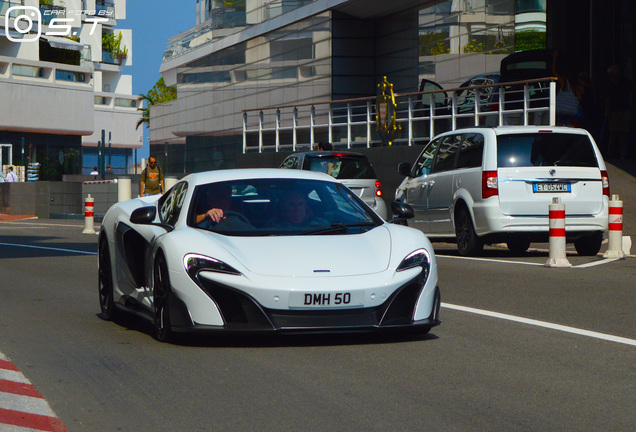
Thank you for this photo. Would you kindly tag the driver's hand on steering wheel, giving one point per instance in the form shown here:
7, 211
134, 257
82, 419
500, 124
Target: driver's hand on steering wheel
215, 215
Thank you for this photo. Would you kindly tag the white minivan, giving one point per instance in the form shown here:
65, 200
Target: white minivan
490, 185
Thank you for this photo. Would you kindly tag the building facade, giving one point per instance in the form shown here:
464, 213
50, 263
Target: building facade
61, 85
248, 54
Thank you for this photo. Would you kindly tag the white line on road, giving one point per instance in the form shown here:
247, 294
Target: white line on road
603, 336
595, 263
50, 248
590, 264
488, 259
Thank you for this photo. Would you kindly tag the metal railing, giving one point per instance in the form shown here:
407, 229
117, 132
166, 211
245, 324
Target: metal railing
351, 123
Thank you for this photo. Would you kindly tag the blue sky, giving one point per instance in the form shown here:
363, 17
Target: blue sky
153, 22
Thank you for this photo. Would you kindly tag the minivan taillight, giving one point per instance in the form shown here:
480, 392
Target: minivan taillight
378, 189
489, 184
606, 185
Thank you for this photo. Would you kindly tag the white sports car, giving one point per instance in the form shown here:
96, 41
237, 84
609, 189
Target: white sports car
265, 250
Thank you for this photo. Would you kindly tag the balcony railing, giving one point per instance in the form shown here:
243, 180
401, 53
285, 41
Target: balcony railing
111, 58
419, 116
49, 12
107, 7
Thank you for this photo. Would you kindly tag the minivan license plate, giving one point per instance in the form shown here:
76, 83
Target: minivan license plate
551, 187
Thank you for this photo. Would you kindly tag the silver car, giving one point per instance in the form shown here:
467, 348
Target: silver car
352, 169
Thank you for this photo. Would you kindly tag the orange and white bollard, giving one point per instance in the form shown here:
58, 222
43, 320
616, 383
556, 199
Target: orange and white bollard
557, 257
615, 226
89, 215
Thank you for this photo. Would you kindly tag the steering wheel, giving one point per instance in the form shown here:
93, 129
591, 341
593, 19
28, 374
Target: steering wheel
231, 213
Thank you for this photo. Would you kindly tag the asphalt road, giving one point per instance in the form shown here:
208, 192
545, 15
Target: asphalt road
571, 369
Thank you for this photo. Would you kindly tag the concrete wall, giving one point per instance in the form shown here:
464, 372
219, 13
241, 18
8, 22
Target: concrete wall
44, 199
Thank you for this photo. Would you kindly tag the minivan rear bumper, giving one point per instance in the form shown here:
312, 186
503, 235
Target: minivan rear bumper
489, 220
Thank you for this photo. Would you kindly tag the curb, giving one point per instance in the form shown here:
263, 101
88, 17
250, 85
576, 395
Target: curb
21, 405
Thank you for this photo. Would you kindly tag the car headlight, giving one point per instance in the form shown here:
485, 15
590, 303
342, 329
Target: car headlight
194, 263
417, 258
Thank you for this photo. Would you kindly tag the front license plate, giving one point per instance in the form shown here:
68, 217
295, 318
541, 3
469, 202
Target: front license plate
551, 187
326, 299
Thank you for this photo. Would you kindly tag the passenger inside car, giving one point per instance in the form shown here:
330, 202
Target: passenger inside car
294, 211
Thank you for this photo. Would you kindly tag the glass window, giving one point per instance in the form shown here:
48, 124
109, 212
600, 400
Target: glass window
63, 75
424, 163
545, 149
291, 162
447, 153
264, 207
342, 166
27, 71
170, 204
128, 103
471, 152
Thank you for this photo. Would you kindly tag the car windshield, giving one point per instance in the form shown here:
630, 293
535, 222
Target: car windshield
545, 149
279, 207
342, 167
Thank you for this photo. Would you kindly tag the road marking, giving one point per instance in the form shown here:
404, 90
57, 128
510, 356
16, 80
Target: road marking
566, 329
595, 263
590, 264
22, 407
488, 259
50, 248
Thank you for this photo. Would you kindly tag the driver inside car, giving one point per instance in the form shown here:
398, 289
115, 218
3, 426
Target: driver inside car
218, 200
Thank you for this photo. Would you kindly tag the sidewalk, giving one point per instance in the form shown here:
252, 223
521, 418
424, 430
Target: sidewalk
11, 218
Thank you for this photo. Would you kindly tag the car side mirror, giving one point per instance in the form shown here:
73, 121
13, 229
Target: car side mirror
404, 169
144, 215
402, 211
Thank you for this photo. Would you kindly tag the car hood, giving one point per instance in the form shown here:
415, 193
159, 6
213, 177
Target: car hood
312, 255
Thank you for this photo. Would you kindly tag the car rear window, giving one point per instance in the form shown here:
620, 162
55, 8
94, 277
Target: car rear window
343, 167
545, 149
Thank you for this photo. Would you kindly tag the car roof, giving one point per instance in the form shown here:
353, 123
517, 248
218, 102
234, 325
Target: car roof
328, 153
254, 173
501, 130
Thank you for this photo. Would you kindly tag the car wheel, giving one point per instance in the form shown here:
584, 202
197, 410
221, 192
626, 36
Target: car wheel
468, 243
105, 282
590, 245
160, 295
518, 246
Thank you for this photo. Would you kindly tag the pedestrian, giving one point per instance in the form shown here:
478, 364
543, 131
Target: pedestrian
109, 170
151, 182
568, 106
585, 94
324, 146
94, 173
618, 112
11, 177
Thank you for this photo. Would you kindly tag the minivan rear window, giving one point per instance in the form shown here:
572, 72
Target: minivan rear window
545, 149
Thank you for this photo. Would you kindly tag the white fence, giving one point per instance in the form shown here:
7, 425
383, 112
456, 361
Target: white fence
351, 123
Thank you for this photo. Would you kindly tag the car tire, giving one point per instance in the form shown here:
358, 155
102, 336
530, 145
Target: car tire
468, 243
105, 282
518, 245
160, 296
590, 245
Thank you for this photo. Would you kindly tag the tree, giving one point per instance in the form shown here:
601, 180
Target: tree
159, 93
